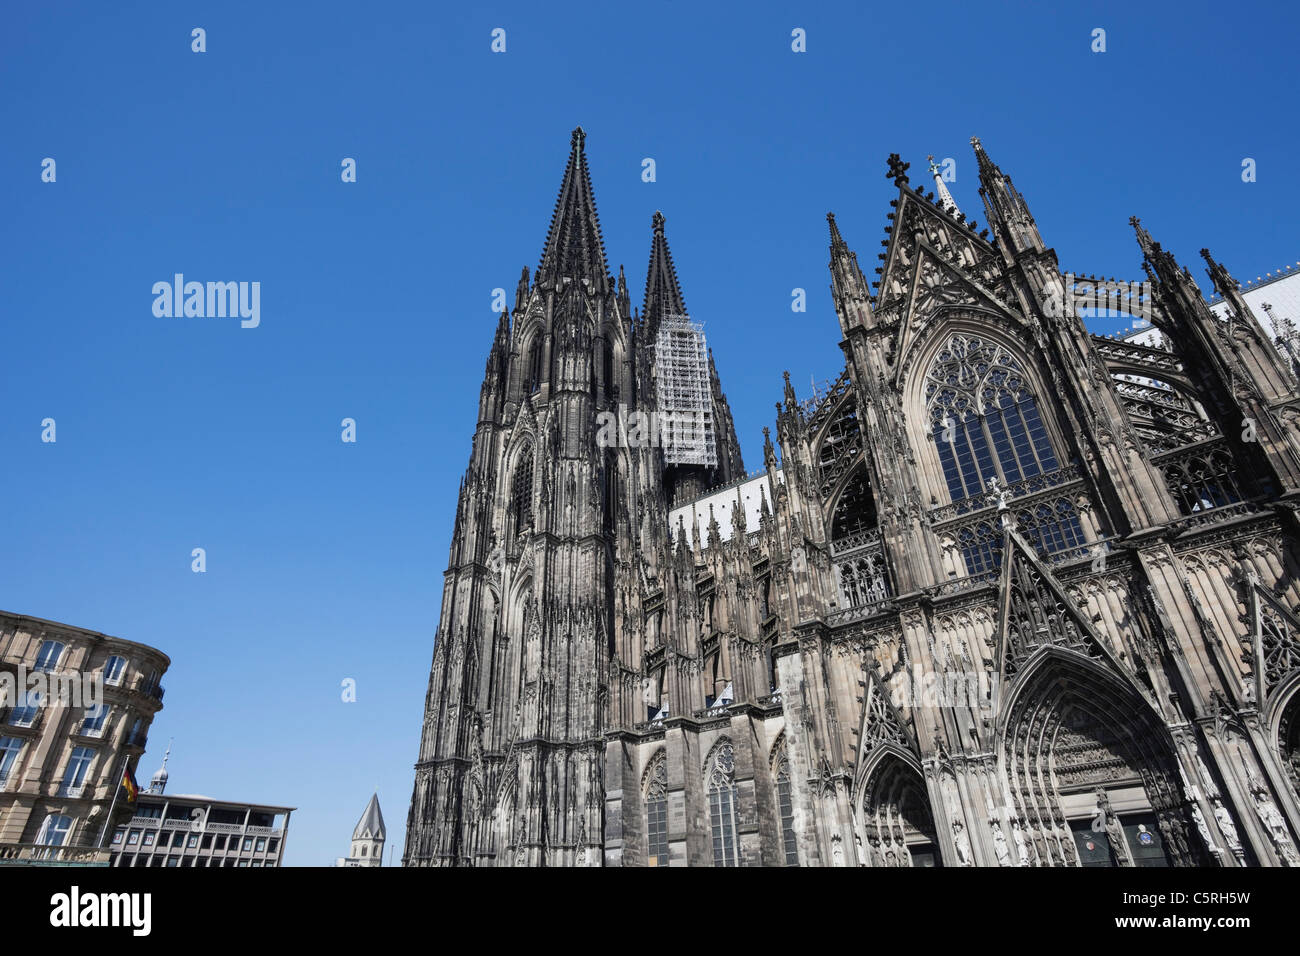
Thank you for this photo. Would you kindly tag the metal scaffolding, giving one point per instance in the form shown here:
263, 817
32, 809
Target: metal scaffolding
685, 398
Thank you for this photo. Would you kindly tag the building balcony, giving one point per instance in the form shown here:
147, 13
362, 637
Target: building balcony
32, 854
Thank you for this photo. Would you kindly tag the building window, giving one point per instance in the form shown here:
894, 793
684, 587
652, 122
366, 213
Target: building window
93, 725
74, 778
149, 837
1203, 482
785, 806
986, 421
535, 365
25, 713
207, 841
54, 830
48, 656
521, 493
656, 811
114, 670
132, 838
261, 844
10, 748
273, 845
248, 843
193, 841
721, 781
117, 838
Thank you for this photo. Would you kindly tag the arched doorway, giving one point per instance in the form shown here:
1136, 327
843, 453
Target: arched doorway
1091, 769
898, 827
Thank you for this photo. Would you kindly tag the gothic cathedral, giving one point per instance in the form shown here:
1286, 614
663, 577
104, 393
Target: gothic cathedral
1012, 593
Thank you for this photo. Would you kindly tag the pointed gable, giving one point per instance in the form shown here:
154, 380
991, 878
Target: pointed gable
1035, 611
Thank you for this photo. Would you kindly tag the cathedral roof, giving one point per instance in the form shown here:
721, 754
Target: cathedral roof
371, 824
574, 247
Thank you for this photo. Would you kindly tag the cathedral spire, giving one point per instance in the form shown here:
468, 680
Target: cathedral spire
663, 293
1005, 209
946, 202
574, 247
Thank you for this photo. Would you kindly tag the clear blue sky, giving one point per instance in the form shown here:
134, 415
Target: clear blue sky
325, 560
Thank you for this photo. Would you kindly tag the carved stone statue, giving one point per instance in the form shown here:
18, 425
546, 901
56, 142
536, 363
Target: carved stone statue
1000, 844
963, 843
1227, 827
1018, 837
1204, 827
1274, 822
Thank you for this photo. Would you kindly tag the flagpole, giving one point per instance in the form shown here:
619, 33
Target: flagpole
117, 789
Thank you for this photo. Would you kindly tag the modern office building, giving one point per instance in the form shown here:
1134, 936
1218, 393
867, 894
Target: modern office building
192, 830
75, 710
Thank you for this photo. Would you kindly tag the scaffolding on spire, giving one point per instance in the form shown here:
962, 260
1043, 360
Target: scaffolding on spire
684, 393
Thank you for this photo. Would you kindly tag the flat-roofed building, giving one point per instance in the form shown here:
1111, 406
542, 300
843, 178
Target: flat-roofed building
193, 830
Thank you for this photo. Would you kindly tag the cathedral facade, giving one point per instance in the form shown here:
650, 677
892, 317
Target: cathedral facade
1011, 593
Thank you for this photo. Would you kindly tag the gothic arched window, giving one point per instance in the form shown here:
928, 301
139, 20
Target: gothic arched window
721, 782
785, 805
985, 419
521, 493
656, 811
534, 365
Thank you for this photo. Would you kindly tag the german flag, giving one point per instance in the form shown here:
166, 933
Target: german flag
130, 786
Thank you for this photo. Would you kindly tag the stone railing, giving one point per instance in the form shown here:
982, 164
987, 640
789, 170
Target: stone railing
852, 542
717, 710
38, 855
225, 828
1025, 488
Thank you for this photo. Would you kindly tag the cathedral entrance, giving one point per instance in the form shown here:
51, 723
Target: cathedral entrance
896, 819
1096, 781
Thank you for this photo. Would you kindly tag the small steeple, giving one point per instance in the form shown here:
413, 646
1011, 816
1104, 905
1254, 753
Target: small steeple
371, 824
158, 782
574, 247
946, 202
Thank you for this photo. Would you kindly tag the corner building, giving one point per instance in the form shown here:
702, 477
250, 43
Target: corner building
1014, 594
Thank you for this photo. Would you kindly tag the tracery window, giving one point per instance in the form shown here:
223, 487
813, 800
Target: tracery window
656, 811
521, 493
864, 580
1202, 482
986, 421
721, 781
785, 805
987, 427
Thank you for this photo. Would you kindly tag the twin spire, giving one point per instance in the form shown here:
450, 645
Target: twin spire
663, 294
574, 247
